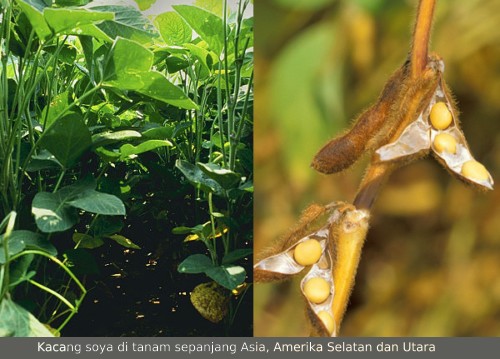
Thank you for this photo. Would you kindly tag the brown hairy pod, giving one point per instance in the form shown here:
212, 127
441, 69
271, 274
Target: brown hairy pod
399, 104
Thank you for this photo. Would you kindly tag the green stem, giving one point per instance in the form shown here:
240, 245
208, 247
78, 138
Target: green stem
55, 260
53, 292
10, 220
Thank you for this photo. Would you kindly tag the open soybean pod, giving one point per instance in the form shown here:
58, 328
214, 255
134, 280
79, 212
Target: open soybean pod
303, 246
437, 128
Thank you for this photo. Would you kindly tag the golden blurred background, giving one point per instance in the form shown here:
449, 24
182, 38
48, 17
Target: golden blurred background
431, 262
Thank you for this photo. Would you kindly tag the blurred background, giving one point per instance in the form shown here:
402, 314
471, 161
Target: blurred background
431, 262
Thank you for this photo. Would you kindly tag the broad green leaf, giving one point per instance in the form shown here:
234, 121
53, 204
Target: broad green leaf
236, 255
105, 138
175, 64
106, 225
129, 69
158, 87
247, 187
227, 276
62, 3
54, 109
81, 262
127, 59
214, 6
18, 322
205, 58
52, 214
19, 270
72, 21
128, 23
124, 241
198, 178
52, 211
34, 240
173, 29
98, 202
226, 178
16, 245
86, 241
33, 9
195, 263
159, 133
209, 26
67, 139
145, 4
128, 150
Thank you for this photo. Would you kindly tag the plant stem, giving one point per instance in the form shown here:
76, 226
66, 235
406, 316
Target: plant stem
421, 36
373, 180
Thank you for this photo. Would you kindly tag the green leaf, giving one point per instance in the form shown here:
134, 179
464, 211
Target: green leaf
247, 187
67, 139
16, 245
225, 178
173, 29
98, 202
206, 58
128, 150
54, 109
54, 212
66, 21
51, 212
144, 4
158, 87
182, 230
43, 160
214, 6
195, 263
198, 178
127, 59
209, 26
36, 241
85, 241
129, 69
159, 133
227, 276
236, 255
106, 225
128, 23
106, 138
124, 241
18, 322
33, 10
19, 270
175, 64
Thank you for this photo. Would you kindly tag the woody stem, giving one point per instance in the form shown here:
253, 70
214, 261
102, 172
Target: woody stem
421, 36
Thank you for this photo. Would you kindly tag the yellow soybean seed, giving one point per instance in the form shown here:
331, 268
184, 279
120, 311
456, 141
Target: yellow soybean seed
475, 170
327, 320
444, 142
440, 116
308, 252
317, 290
